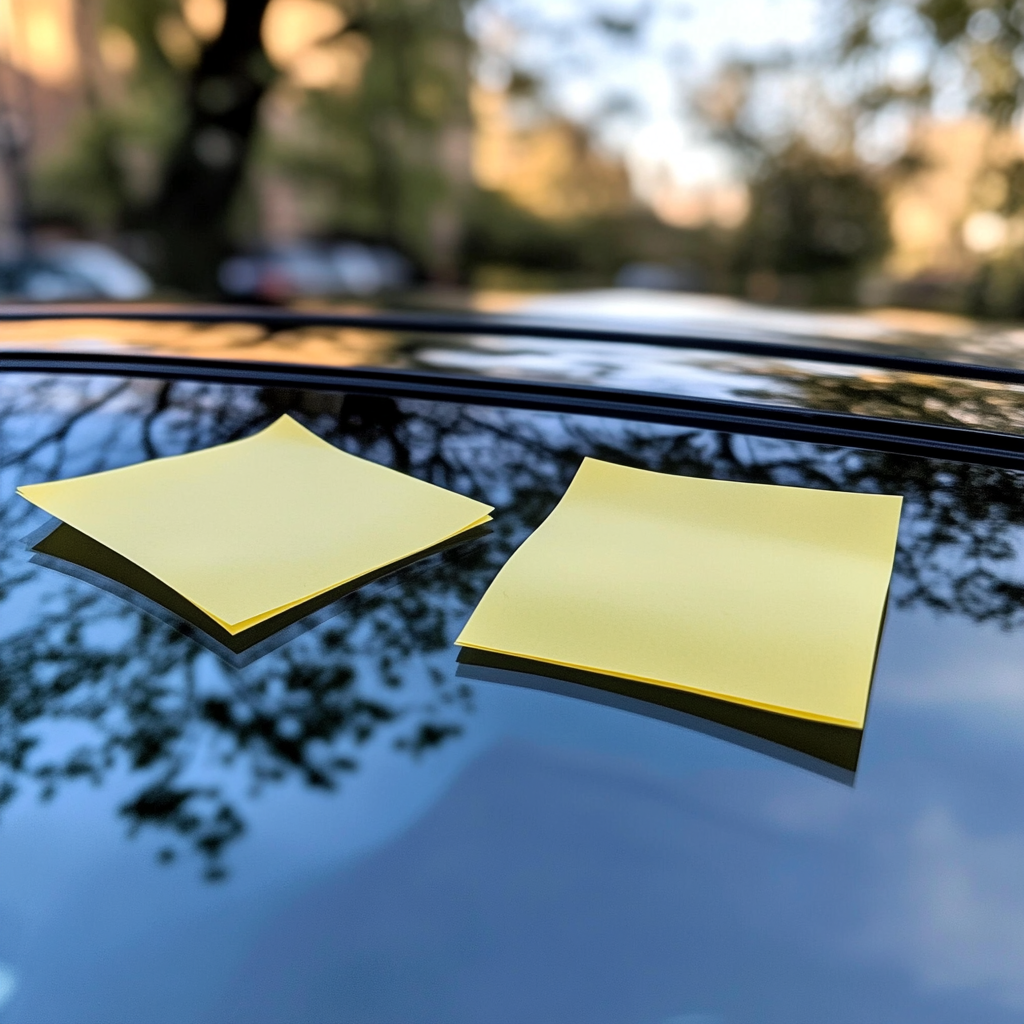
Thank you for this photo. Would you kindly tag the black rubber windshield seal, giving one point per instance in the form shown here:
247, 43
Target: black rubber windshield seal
767, 344
902, 437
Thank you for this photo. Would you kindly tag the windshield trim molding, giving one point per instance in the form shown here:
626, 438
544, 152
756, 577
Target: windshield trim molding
900, 437
764, 344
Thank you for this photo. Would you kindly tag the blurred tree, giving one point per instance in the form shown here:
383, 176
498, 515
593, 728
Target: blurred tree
816, 222
368, 112
864, 96
204, 167
208, 120
173, 94
889, 67
979, 44
507, 246
972, 50
212, 124
817, 217
379, 138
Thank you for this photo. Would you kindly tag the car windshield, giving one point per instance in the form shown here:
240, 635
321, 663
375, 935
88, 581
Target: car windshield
353, 826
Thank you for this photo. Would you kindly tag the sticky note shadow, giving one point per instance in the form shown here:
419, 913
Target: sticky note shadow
829, 750
75, 554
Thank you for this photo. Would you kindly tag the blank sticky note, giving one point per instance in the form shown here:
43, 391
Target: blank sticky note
767, 596
251, 528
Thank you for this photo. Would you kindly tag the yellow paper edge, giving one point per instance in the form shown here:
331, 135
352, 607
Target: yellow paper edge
713, 694
238, 627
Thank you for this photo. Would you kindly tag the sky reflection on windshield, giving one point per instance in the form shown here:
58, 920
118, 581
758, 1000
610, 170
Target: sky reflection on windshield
392, 842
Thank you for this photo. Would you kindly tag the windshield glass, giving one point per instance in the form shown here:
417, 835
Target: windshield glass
355, 827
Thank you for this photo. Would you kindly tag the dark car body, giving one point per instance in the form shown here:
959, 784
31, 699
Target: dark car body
354, 827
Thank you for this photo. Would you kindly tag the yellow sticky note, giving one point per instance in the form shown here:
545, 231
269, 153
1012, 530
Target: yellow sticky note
251, 528
768, 596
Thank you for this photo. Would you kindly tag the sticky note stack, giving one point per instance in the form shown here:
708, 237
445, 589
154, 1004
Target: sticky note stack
765, 596
249, 532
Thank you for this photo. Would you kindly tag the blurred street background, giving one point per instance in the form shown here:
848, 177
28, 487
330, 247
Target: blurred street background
819, 153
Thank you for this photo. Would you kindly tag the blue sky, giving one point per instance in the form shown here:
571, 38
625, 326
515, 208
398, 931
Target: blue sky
680, 46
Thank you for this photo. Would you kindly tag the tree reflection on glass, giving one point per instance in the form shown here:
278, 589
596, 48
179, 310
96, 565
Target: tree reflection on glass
922, 398
135, 695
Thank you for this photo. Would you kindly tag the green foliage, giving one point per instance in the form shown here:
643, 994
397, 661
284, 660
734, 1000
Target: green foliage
384, 154
981, 42
140, 18
83, 185
811, 212
510, 247
997, 290
984, 38
110, 165
390, 157
501, 233
816, 217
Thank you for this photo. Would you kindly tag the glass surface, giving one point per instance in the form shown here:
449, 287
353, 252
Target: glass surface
349, 830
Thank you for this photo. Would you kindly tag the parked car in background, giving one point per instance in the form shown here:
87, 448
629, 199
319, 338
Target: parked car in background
310, 269
72, 271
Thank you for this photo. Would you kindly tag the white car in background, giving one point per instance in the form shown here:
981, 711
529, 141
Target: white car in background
71, 271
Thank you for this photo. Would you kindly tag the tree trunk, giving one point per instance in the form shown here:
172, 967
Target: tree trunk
206, 167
